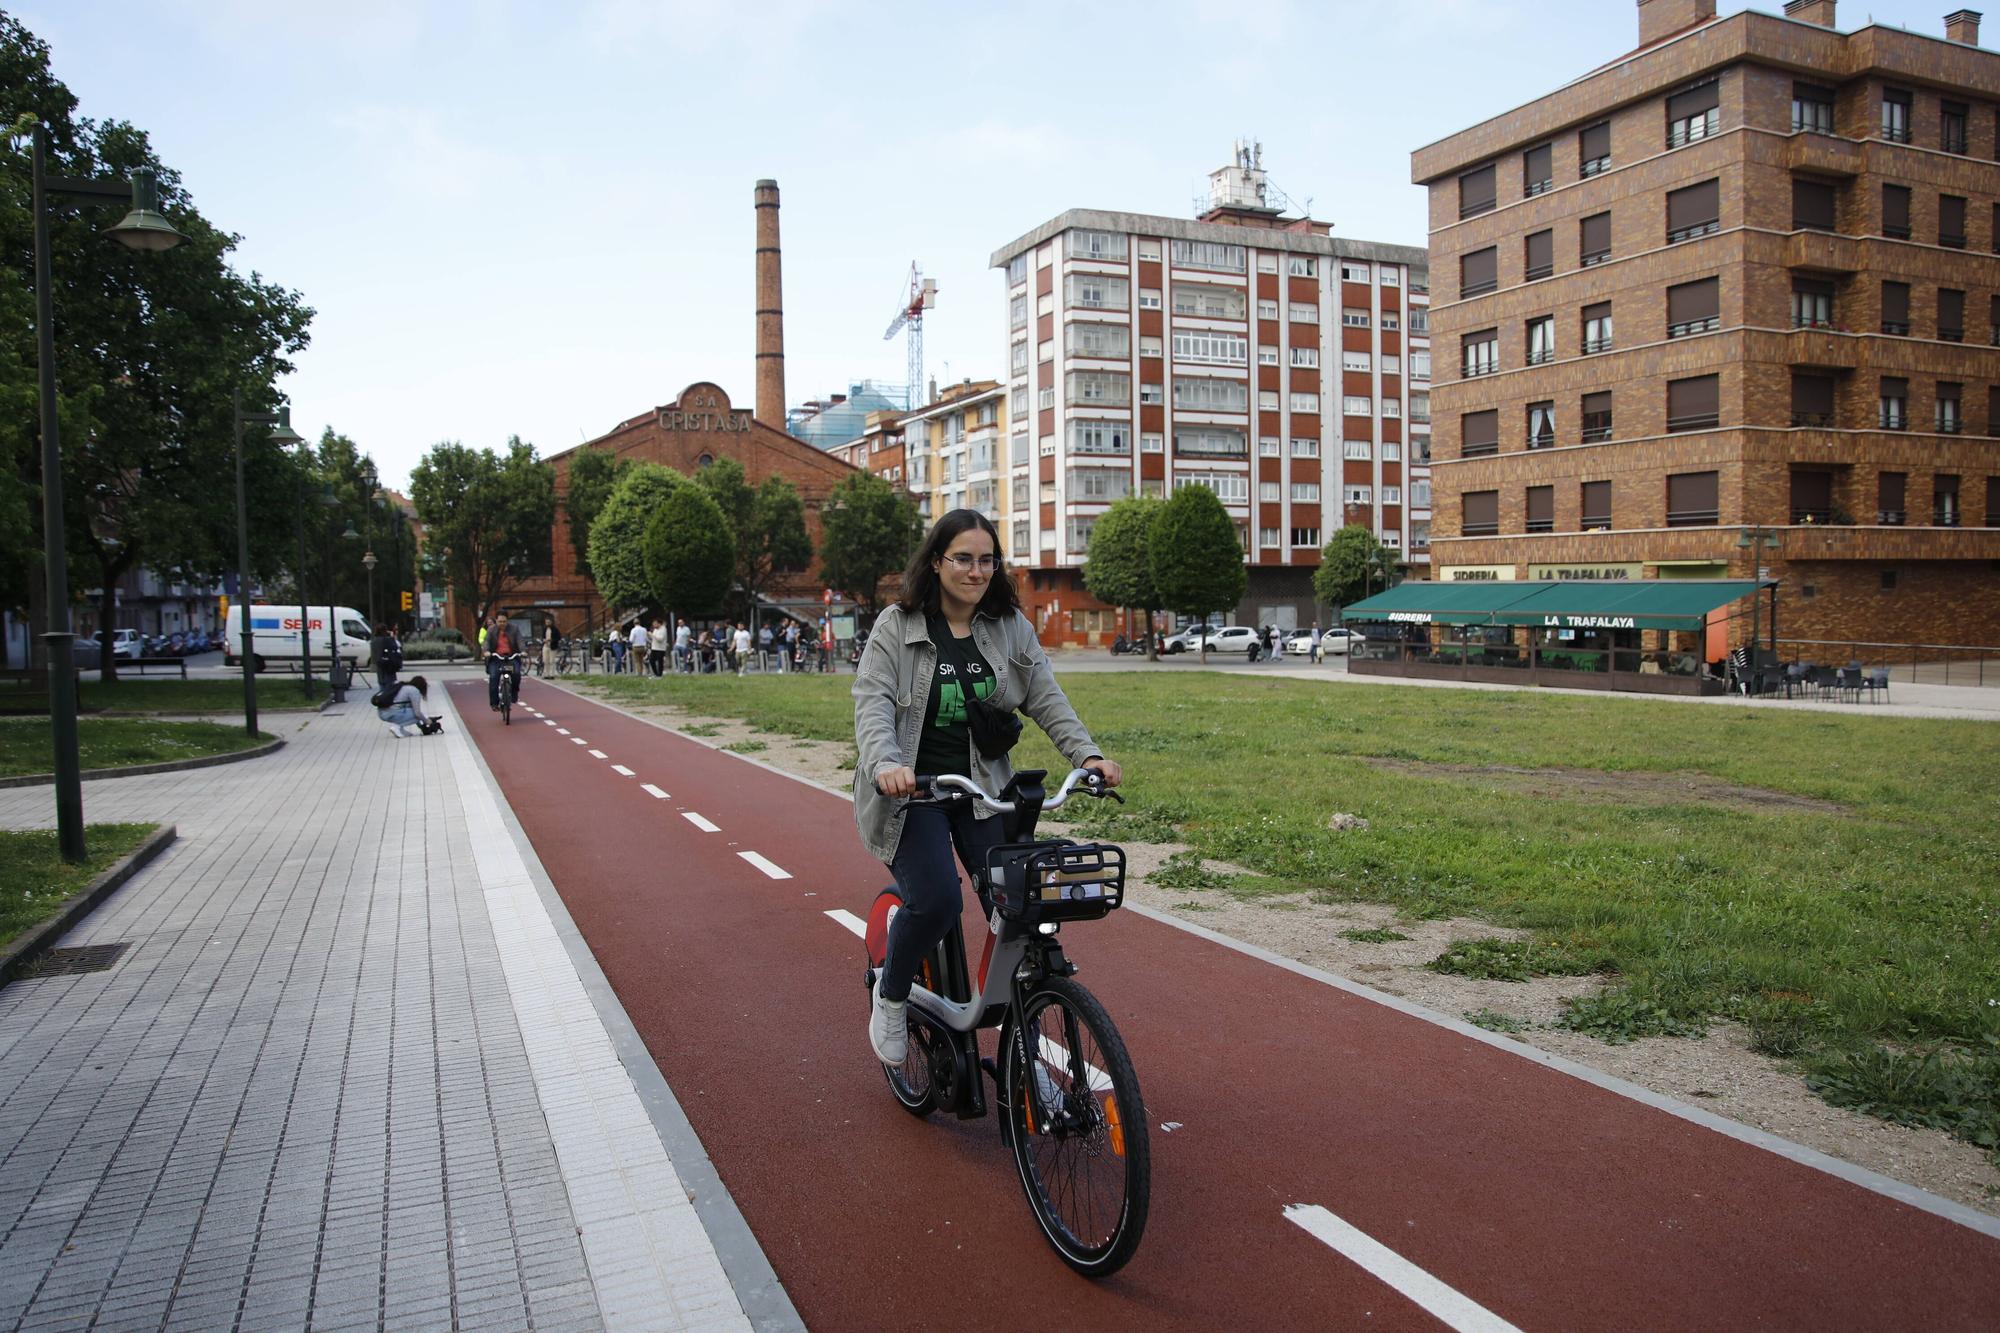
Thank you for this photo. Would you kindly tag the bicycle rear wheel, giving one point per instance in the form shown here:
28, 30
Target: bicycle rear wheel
506, 700
1077, 1127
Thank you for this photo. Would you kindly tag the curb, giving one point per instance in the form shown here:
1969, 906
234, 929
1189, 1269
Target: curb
138, 770
36, 941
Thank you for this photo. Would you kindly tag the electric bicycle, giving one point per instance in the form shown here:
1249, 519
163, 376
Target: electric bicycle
510, 685
1068, 1098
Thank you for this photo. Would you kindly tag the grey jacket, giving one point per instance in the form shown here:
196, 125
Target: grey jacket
892, 687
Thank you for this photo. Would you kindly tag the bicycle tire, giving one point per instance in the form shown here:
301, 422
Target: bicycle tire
1052, 1151
911, 1082
506, 700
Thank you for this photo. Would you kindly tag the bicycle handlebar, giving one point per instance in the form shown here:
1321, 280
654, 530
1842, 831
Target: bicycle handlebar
1089, 779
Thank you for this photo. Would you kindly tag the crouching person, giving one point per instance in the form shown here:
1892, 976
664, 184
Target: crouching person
405, 708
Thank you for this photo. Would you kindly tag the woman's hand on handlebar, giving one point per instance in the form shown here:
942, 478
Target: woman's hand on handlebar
1111, 773
897, 782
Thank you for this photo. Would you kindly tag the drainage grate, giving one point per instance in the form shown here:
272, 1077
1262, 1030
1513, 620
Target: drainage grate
72, 962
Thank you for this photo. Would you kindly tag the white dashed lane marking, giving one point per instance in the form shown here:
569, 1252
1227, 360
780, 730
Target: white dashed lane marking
700, 823
652, 791
854, 923
771, 868
548, 722
562, 731
578, 740
599, 754
620, 768
1451, 1308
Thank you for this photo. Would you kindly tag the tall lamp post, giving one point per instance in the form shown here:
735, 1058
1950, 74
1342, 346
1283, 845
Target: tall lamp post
1757, 540
141, 229
281, 435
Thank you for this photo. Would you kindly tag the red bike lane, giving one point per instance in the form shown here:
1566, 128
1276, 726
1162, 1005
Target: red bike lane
1547, 1200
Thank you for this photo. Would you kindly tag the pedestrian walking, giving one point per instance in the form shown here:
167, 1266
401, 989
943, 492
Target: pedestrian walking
638, 640
683, 646
1277, 643
656, 647
551, 641
742, 647
1313, 655
792, 646
386, 652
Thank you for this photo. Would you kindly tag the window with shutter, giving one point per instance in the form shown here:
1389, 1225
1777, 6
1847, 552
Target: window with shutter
1481, 352
1541, 509
1952, 117
1812, 303
1812, 497
1594, 150
1812, 400
1896, 211
1896, 308
1993, 410
1537, 170
1541, 255
1482, 513
1693, 404
1693, 114
1596, 232
1993, 322
1694, 307
1892, 489
1812, 108
1691, 500
1993, 502
1813, 205
1693, 211
1896, 115
1893, 405
1479, 433
1479, 272
1597, 335
1542, 425
1951, 221
1596, 417
1541, 339
1596, 506
1475, 192
1950, 415
1951, 315
1944, 500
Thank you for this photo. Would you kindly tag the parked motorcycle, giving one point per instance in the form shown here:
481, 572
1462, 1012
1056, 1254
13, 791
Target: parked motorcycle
1122, 645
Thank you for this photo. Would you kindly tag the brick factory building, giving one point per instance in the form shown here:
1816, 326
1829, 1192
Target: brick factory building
1255, 354
1730, 304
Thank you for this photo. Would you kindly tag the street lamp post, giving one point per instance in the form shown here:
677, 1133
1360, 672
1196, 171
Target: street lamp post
1756, 540
141, 229
305, 614
281, 435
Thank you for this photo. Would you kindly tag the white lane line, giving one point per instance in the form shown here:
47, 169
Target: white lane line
652, 791
548, 722
1449, 1306
578, 740
621, 769
599, 754
700, 823
769, 867
562, 731
854, 923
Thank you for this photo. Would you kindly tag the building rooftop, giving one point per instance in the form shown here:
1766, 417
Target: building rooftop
841, 417
1276, 237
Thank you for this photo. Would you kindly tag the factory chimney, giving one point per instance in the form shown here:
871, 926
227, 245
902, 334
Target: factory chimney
770, 311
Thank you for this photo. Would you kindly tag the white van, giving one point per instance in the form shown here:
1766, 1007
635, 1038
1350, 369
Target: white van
275, 635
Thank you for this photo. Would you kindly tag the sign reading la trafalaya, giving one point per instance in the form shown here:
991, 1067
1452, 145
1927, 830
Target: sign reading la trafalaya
1585, 573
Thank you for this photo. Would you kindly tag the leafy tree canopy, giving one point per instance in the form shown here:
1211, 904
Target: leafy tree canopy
592, 475
1196, 557
690, 549
770, 525
489, 516
868, 531
618, 537
1351, 558
1119, 568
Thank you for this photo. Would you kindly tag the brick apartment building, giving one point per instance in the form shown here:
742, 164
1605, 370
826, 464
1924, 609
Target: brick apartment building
945, 454
1284, 368
1727, 304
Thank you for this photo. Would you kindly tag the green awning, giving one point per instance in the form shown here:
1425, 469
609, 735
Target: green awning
1670, 604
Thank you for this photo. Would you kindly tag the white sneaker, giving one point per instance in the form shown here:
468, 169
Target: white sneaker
888, 1029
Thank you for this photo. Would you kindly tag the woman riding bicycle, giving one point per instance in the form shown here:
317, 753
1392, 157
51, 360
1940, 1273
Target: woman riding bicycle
910, 722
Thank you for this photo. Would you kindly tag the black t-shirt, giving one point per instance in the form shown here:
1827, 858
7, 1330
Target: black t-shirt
945, 745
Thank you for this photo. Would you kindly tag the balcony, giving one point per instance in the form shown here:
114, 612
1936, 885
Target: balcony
1592, 434
1688, 328
1819, 516
1689, 232
1592, 346
1820, 420
1825, 156
1890, 518
1593, 167
1822, 252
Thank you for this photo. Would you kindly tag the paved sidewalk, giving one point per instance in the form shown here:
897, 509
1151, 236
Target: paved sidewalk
347, 1075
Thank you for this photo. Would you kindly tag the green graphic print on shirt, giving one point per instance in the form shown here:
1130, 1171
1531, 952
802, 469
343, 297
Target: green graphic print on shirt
945, 746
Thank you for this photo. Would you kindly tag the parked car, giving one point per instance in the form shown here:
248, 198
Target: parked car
1232, 639
1332, 642
1189, 639
124, 643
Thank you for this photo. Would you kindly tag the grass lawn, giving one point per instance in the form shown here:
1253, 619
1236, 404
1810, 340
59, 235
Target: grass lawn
1848, 911
157, 695
116, 742
34, 880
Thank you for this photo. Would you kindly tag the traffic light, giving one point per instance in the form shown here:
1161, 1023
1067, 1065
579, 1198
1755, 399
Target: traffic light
409, 601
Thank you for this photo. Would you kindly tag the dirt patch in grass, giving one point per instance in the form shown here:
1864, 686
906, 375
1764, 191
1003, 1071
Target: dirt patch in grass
1614, 788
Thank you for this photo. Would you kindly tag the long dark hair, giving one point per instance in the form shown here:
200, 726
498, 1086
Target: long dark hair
423, 686
920, 580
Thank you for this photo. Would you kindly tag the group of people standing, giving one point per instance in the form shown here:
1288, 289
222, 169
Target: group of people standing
648, 647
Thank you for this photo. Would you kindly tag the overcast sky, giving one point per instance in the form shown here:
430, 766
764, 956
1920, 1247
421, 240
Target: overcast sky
535, 218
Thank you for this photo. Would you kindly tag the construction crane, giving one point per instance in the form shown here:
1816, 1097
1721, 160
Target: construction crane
921, 296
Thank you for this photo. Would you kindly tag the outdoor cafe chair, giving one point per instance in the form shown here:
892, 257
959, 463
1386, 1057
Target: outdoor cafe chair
1878, 683
1850, 684
1824, 679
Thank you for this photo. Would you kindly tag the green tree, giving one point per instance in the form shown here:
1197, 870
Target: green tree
770, 525
618, 537
868, 531
1119, 567
593, 473
690, 551
1196, 556
489, 515
1351, 559
148, 348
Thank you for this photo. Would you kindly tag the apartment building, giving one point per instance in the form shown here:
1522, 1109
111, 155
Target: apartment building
946, 454
1282, 367
1714, 310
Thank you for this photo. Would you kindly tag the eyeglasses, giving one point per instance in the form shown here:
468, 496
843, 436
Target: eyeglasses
965, 564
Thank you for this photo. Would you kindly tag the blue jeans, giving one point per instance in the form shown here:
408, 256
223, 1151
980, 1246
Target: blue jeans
402, 715
494, 666
927, 875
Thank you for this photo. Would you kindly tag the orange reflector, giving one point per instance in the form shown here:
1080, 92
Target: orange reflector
1027, 1096
1111, 1122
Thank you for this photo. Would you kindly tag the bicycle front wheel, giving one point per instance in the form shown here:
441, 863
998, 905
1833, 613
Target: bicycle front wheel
1077, 1126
